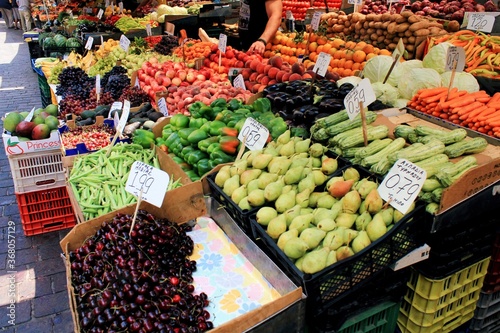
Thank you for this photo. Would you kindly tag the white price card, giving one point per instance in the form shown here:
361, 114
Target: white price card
115, 106
124, 116
322, 63
116, 119
455, 54
362, 93
152, 181
481, 22
137, 84
239, 82
124, 43
162, 106
399, 50
289, 15
98, 83
106, 3
30, 115
120, 5
90, 42
112, 7
254, 133
222, 43
315, 20
402, 184
355, 2
99, 13
102, 40
148, 29
71, 14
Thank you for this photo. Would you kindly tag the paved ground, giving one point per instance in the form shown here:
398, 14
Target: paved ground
41, 303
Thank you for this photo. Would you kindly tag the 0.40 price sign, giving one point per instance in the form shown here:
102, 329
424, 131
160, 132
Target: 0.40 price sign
254, 134
151, 181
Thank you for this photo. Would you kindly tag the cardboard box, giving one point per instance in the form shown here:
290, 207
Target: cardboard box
291, 294
485, 174
14, 146
185, 203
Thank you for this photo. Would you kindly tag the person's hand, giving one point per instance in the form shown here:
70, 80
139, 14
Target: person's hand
257, 47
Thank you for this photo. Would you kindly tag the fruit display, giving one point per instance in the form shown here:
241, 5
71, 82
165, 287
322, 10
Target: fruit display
94, 137
330, 3
115, 81
44, 121
451, 9
164, 10
231, 58
134, 95
210, 136
381, 7
126, 23
299, 8
194, 49
166, 44
158, 293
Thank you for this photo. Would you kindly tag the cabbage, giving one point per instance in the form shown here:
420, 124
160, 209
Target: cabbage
354, 80
153, 16
161, 19
400, 103
164, 10
179, 10
416, 79
377, 68
462, 81
385, 93
404, 67
436, 57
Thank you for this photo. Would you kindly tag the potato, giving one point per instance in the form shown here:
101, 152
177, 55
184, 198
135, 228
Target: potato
402, 27
380, 32
374, 37
385, 25
414, 19
358, 25
453, 26
406, 14
435, 24
338, 28
362, 32
378, 25
421, 33
435, 30
411, 55
399, 18
400, 34
385, 17
391, 46
347, 24
371, 24
410, 47
387, 41
343, 17
371, 17
405, 40
381, 39
366, 25
419, 26
411, 40
370, 31
391, 28
396, 39
408, 33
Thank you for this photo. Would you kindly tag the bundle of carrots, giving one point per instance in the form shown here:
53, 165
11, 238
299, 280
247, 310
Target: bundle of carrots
482, 51
477, 111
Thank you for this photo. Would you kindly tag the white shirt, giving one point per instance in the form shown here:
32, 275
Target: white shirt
23, 4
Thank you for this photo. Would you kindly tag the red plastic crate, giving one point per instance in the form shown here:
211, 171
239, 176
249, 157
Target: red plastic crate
45, 211
492, 279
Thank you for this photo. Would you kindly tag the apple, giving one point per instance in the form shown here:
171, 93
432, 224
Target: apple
182, 75
190, 77
159, 73
176, 81
166, 81
200, 77
170, 73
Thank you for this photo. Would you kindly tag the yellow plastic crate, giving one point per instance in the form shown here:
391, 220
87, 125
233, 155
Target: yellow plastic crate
441, 305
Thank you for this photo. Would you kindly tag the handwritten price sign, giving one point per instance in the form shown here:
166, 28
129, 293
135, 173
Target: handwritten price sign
239, 82
402, 184
315, 21
322, 63
362, 93
455, 54
254, 133
481, 22
152, 181
222, 43
162, 106
90, 42
124, 43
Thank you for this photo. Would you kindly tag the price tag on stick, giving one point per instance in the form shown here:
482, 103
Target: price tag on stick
120, 124
402, 185
99, 13
120, 5
222, 43
315, 21
239, 82
124, 43
90, 42
98, 86
455, 54
162, 106
148, 29
396, 59
151, 181
481, 22
322, 63
253, 134
362, 93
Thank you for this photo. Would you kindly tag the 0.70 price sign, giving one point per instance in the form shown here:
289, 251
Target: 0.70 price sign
254, 134
151, 181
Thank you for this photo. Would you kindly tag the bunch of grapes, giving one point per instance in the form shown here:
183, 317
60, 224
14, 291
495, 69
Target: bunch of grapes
116, 84
116, 70
74, 81
135, 95
166, 44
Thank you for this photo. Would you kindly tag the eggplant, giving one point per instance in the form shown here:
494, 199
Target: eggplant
285, 115
331, 105
274, 88
310, 114
378, 105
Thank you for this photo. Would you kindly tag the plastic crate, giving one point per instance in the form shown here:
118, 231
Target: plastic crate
35, 49
45, 211
487, 314
381, 318
37, 171
441, 305
492, 280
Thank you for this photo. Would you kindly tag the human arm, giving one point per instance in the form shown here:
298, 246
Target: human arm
274, 10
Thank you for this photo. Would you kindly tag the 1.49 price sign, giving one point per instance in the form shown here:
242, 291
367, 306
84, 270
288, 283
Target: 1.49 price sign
152, 181
402, 184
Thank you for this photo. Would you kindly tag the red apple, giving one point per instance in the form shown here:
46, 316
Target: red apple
166, 81
176, 81
190, 77
170, 73
182, 75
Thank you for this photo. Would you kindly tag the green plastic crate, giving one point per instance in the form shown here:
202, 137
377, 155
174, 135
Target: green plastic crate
381, 318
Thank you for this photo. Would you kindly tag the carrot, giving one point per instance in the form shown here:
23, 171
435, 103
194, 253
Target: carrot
453, 98
437, 97
462, 101
495, 98
475, 113
431, 92
486, 113
453, 117
469, 108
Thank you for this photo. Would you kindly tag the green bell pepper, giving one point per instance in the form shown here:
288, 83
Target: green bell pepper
203, 166
193, 175
143, 137
194, 109
185, 132
196, 136
197, 122
174, 137
213, 146
221, 157
195, 156
239, 125
204, 144
179, 120
206, 126
215, 127
234, 104
166, 131
220, 102
177, 159
186, 151
262, 104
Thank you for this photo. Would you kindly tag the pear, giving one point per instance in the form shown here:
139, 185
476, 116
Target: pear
250, 156
361, 241
286, 236
329, 166
286, 189
376, 228
326, 201
273, 190
253, 185
315, 261
261, 161
266, 178
244, 205
313, 198
365, 187
351, 174
284, 137
332, 181
285, 201
332, 258
398, 215
301, 222
335, 238
373, 202
291, 214
312, 237
294, 175
327, 225
316, 162
238, 167
266, 214
295, 248
337, 208
303, 161
319, 177
363, 220
302, 198
307, 170
322, 214
317, 150
346, 220
362, 207
256, 198
222, 176
299, 156
299, 262
340, 188
387, 215
239, 193
246, 155
351, 202
275, 151
305, 211
344, 252
248, 175
307, 183
288, 149
231, 185
279, 165
276, 226
302, 146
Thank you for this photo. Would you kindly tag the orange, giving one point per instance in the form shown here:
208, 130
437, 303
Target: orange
332, 51
313, 56
291, 43
327, 47
341, 63
320, 49
359, 56
293, 59
277, 39
337, 43
312, 38
348, 64
348, 54
322, 40
368, 48
350, 44
346, 72
370, 55
313, 46
360, 45
338, 54
385, 52
356, 66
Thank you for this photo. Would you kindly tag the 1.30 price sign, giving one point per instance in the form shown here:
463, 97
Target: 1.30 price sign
254, 134
152, 181
402, 184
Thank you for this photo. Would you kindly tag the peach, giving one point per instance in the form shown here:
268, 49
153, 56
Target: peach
297, 68
267, 68
181, 75
253, 76
306, 76
273, 71
259, 77
265, 80
279, 76
254, 64
276, 61
246, 73
271, 82
170, 73
166, 81
248, 63
255, 88
285, 77
260, 68
295, 76
176, 81
248, 85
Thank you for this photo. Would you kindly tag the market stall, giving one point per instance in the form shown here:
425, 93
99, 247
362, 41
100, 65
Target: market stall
345, 179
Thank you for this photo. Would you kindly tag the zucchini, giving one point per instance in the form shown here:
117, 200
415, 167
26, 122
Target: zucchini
426, 130
320, 135
350, 124
394, 146
402, 131
373, 133
430, 184
425, 196
449, 175
436, 194
413, 147
381, 167
350, 152
413, 137
373, 147
450, 137
430, 149
432, 208
472, 146
433, 164
332, 119
335, 140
